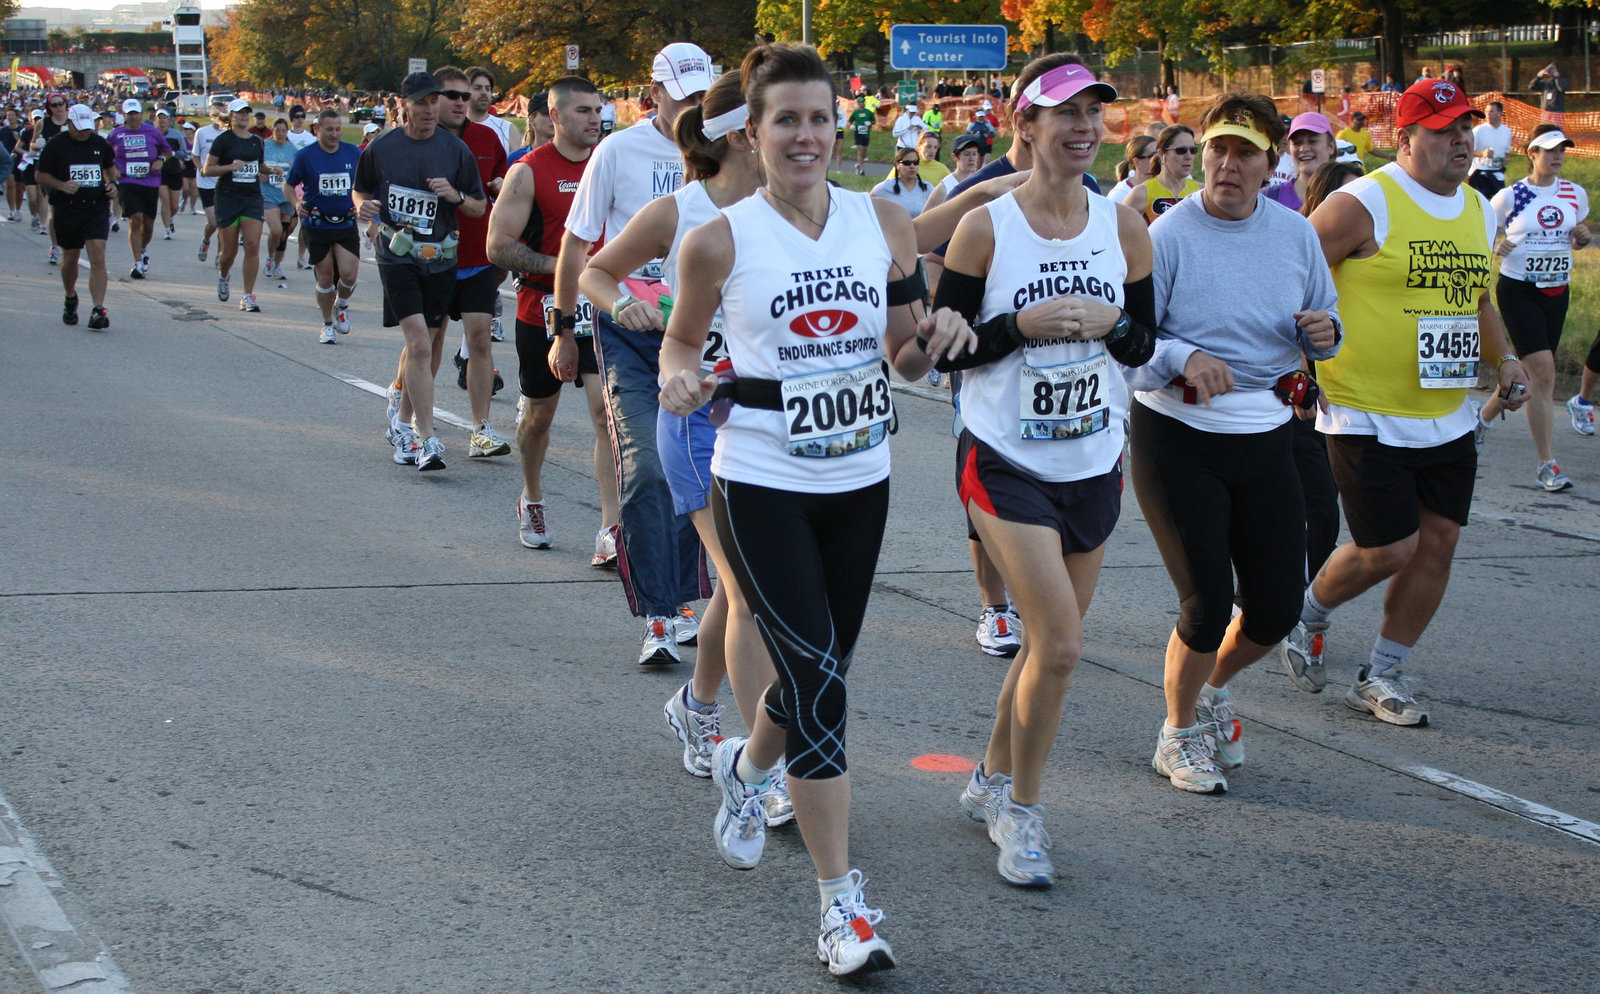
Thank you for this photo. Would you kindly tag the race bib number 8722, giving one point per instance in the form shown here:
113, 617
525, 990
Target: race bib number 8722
837, 412
1065, 401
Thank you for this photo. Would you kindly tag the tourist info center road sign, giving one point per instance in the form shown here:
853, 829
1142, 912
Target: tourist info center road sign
956, 47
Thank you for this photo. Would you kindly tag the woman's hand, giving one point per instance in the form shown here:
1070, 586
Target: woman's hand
686, 393
945, 334
1209, 376
1068, 317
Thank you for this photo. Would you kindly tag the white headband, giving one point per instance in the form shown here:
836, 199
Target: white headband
719, 126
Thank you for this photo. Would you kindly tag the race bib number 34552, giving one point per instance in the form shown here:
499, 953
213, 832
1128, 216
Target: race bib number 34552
1447, 352
838, 412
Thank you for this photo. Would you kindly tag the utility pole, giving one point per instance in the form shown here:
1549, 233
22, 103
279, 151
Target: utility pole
805, 21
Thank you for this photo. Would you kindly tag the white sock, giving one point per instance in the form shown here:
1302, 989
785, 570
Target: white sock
1312, 611
1386, 656
749, 773
830, 889
697, 706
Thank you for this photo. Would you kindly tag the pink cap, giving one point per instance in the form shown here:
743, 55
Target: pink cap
1311, 121
1062, 84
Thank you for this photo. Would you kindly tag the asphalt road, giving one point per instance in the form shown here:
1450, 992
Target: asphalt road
284, 717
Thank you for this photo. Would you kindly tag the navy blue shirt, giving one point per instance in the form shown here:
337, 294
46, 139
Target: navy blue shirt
325, 179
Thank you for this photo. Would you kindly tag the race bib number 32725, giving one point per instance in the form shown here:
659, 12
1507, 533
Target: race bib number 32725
1447, 352
838, 412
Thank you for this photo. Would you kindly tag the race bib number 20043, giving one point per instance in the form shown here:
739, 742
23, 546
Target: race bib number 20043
838, 412
1447, 352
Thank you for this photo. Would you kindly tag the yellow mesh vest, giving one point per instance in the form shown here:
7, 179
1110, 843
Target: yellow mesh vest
1427, 268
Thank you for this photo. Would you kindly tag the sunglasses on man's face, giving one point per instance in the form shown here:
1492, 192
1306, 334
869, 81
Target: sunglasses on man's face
55, 103
455, 94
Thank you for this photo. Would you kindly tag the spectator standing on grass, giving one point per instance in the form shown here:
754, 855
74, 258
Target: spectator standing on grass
1552, 89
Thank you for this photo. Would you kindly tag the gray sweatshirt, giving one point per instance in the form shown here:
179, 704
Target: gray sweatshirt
1231, 289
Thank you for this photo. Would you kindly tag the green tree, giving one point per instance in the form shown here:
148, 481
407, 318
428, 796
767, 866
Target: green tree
617, 38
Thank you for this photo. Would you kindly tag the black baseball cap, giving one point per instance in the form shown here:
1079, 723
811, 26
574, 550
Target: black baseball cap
419, 85
964, 141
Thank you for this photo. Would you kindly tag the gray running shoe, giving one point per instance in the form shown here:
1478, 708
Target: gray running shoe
1186, 761
1387, 699
982, 798
740, 830
1024, 845
1301, 655
698, 731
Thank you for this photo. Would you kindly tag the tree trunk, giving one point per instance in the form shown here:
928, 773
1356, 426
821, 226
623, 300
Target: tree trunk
1394, 41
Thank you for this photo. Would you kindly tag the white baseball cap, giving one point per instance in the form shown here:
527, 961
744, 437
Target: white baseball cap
370, 128
682, 69
1551, 139
188, 125
132, 106
238, 105
82, 116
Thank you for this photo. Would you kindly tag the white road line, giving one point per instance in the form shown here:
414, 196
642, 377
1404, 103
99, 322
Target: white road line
1509, 803
1509, 520
377, 391
53, 948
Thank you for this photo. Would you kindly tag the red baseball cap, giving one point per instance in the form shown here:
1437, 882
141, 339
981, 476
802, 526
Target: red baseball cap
1433, 103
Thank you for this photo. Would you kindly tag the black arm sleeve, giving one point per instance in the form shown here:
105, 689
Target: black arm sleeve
1138, 343
998, 337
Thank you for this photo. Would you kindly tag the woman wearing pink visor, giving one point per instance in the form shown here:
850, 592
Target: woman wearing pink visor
1056, 283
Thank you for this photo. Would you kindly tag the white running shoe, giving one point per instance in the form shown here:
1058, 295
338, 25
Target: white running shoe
1301, 655
982, 798
1024, 844
605, 548
222, 289
1186, 761
1000, 631
740, 830
1582, 414
392, 412
1551, 478
686, 626
531, 526
1387, 699
405, 445
848, 943
698, 731
497, 332
486, 442
1220, 721
328, 337
659, 647
430, 454
55, 255
775, 803
341, 318
248, 303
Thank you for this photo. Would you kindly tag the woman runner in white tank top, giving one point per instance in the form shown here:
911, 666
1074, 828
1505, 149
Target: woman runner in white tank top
804, 275
1058, 282
721, 169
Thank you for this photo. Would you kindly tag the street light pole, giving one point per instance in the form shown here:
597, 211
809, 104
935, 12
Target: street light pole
805, 21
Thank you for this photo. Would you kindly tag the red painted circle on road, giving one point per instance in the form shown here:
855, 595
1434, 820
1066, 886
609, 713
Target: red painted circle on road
940, 763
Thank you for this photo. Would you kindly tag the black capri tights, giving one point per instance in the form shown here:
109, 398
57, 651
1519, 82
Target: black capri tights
805, 564
1218, 503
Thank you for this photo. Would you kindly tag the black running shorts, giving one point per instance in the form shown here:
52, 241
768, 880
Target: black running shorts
1384, 487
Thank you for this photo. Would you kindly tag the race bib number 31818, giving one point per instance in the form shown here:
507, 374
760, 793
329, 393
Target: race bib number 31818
417, 208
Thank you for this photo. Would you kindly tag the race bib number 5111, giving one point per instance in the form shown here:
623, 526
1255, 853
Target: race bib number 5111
837, 412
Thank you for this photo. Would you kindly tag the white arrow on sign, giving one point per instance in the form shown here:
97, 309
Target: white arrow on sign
905, 48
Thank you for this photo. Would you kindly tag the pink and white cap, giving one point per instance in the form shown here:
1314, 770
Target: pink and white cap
1060, 85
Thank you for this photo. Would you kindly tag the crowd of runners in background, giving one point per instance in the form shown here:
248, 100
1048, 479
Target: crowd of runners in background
731, 315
